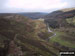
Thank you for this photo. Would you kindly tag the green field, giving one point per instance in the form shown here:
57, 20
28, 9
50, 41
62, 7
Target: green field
58, 38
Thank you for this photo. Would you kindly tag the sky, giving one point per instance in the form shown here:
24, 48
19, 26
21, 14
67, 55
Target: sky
13, 6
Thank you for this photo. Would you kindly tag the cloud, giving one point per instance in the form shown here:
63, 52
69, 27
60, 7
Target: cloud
34, 5
71, 3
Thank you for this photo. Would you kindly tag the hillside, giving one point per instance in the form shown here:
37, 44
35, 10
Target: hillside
19, 35
67, 9
63, 24
59, 18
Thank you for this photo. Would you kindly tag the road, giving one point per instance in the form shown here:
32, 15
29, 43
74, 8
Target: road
50, 31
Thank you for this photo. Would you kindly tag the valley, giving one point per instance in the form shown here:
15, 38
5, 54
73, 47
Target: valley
42, 36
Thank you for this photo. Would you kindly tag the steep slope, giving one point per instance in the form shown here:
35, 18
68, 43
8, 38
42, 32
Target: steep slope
19, 31
59, 18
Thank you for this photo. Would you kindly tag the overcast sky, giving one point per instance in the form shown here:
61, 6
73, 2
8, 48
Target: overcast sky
9, 6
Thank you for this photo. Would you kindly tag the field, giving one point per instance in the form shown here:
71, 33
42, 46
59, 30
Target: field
64, 39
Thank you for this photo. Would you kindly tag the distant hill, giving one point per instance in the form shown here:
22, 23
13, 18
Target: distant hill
34, 15
67, 9
60, 17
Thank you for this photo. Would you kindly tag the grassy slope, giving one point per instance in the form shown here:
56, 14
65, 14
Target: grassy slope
58, 38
